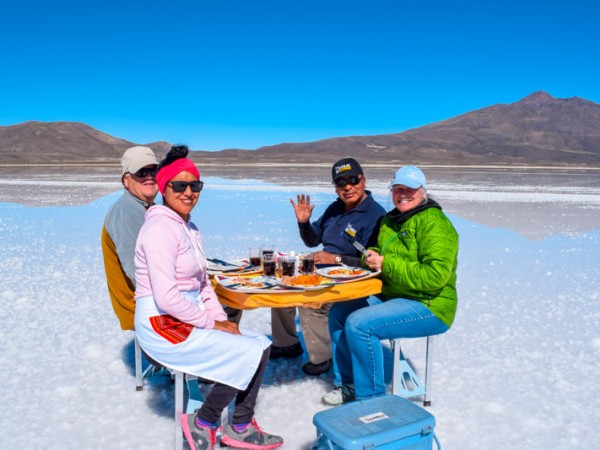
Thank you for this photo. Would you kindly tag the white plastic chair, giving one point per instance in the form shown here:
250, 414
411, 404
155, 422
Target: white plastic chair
405, 382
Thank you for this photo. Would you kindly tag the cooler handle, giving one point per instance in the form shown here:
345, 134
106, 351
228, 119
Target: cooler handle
437, 442
322, 443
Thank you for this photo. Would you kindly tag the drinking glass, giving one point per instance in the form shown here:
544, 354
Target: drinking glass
254, 256
269, 264
288, 266
308, 263
267, 249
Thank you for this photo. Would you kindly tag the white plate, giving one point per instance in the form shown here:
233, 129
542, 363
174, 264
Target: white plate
248, 285
346, 273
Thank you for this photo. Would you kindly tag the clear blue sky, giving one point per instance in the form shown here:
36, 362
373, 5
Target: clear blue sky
221, 74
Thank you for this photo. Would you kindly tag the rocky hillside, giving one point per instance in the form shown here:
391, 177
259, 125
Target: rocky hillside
62, 142
538, 129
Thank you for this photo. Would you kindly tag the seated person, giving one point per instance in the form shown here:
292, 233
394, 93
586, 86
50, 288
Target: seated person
122, 225
180, 323
354, 210
416, 250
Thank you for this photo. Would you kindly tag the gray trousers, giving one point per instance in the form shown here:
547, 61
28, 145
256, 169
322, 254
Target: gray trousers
233, 314
315, 329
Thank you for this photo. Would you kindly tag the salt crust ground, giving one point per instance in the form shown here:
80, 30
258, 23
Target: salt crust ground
517, 370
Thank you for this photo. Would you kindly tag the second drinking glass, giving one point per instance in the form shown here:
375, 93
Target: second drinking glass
269, 264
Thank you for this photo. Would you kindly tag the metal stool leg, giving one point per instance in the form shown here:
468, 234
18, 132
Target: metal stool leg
178, 409
395, 343
195, 398
428, 369
139, 382
152, 370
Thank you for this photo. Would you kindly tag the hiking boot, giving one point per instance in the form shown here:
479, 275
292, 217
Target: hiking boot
199, 438
292, 351
339, 396
317, 369
252, 437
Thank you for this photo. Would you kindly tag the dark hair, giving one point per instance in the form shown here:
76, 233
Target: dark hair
176, 152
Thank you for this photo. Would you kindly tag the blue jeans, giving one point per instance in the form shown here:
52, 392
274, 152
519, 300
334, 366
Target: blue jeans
356, 329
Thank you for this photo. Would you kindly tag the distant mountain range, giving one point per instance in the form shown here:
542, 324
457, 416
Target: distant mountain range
62, 142
538, 129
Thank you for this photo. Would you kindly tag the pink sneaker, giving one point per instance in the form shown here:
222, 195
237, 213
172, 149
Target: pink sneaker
252, 437
199, 438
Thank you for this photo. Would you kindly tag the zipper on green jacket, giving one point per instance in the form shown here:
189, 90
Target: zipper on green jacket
386, 243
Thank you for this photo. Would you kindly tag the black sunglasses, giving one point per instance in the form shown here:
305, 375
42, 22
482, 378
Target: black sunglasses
181, 186
145, 171
351, 180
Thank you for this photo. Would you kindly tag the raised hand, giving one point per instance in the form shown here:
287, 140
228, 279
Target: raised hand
303, 209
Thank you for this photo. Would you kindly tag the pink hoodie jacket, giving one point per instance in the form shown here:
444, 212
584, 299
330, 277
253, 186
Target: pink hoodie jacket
166, 263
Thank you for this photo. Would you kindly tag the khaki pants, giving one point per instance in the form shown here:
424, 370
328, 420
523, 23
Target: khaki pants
315, 328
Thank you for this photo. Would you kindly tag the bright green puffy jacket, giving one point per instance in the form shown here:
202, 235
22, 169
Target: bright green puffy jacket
420, 259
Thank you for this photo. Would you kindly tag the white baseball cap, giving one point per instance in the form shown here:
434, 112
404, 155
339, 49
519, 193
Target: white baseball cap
136, 158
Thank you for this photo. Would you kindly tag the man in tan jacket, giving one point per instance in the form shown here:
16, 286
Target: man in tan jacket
121, 227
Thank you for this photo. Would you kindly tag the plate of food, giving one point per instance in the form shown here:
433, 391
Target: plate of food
343, 272
305, 282
247, 284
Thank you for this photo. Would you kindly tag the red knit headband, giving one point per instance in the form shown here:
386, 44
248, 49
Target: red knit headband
169, 172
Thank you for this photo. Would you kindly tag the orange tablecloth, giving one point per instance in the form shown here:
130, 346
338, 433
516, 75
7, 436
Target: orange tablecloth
310, 299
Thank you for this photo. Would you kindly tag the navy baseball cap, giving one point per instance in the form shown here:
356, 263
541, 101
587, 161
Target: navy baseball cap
345, 168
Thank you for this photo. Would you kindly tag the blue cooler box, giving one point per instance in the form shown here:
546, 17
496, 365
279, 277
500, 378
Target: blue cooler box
382, 423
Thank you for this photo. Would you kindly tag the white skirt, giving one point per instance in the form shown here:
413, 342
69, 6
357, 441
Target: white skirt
226, 358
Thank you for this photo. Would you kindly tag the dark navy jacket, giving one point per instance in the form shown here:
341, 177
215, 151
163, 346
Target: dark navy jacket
330, 228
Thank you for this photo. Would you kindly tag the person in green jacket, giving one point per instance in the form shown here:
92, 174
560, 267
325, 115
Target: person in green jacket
415, 246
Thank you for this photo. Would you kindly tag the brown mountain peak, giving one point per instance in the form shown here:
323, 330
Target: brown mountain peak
537, 98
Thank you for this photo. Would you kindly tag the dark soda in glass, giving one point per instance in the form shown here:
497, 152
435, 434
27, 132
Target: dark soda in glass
269, 268
255, 261
308, 265
288, 267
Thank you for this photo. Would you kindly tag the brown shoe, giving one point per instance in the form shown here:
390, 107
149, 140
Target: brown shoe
317, 369
293, 351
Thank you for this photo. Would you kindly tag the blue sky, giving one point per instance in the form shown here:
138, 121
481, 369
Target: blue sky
225, 74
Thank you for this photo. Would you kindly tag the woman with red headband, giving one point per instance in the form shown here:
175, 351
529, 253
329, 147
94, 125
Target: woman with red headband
180, 323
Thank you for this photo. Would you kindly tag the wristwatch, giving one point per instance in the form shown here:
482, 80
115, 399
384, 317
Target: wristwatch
338, 259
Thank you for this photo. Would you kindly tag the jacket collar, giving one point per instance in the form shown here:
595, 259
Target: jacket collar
146, 205
400, 217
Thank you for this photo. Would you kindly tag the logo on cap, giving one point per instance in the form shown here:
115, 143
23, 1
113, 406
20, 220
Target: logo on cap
342, 168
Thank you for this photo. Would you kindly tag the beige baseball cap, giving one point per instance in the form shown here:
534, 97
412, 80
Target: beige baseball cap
137, 157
